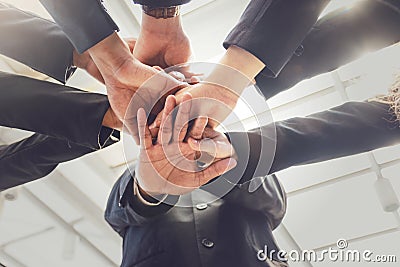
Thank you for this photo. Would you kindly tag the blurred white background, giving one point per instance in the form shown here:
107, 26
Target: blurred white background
58, 221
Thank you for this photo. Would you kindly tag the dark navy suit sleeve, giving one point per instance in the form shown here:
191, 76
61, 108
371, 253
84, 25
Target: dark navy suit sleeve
124, 209
68, 123
272, 30
85, 22
352, 128
336, 39
53, 109
34, 158
36, 42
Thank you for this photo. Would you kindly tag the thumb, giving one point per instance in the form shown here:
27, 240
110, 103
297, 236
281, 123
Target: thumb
217, 149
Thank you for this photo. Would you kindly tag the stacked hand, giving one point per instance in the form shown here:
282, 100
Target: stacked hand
169, 164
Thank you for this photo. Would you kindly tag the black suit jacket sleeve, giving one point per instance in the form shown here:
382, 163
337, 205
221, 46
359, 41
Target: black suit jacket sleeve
36, 42
365, 27
35, 157
84, 22
54, 110
273, 29
69, 123
125, 209
352, 128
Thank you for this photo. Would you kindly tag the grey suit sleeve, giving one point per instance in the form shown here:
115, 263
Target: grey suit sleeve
36, 42
85, 22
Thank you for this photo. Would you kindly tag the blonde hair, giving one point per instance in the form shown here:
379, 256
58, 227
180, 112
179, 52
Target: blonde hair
392, 98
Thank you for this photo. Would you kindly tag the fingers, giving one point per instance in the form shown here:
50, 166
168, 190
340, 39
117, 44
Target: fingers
166, 125
198, 127
144, 132
214, 170
217, 149
182, 118
178, 76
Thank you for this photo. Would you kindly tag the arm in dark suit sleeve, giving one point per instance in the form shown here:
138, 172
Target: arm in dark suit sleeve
124, 209
272, 30
365, 27
352, 128
54, 110
35, 157
36, 42
84, 22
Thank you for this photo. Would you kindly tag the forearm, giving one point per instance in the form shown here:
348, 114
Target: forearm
163, 27
36, 42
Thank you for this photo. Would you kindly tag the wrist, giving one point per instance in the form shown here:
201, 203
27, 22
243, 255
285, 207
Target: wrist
169, 27
110, 53
145, 197
243, 61
111, 120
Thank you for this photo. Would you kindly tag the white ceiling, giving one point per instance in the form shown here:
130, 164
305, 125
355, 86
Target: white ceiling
58, 221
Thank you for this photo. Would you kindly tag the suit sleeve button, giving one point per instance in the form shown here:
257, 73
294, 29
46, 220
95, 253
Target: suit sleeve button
207, 243
201, 206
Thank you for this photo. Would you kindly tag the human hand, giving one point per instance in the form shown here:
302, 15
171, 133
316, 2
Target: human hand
219, 93
169, 165
162, 42
123, 75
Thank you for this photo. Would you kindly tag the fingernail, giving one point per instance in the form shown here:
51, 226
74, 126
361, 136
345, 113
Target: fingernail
232, 163
194, 141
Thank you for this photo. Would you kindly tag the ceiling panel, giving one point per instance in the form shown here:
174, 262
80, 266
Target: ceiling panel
348, 209
53, 251
387, 154
306, 176
21, 218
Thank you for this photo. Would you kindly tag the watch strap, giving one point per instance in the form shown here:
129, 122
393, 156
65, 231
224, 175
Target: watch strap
162, 12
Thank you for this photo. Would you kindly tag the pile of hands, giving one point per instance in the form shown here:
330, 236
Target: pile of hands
179, 151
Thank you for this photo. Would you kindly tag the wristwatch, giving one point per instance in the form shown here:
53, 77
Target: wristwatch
162, 12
